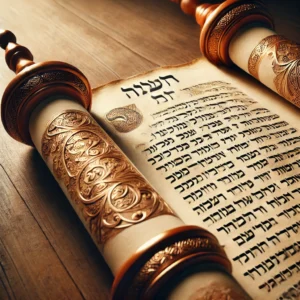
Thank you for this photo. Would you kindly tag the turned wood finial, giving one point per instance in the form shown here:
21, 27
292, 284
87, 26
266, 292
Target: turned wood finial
33, 83
197, 7
189, 6
203, 11
17, 57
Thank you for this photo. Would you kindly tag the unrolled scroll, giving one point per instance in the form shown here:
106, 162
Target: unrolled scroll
140, 237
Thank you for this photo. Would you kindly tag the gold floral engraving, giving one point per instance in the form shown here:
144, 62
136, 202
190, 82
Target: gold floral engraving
125, 119
285, 57
104, 185
259, 53
162, 259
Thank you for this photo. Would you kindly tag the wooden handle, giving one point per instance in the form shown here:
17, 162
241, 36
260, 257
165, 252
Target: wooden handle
219, 22
17, 57
33, 83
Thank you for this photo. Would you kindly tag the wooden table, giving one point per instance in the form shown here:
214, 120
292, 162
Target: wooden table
45, 252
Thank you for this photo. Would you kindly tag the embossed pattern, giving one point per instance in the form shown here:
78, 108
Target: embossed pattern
258, 54
103, 184
125, 119
163, 258
285, 57
30, 86
226, 21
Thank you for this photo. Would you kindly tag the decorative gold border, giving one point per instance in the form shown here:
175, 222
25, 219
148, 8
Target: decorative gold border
110, 193
221, 27
166, 257
224, 21
163, 257
35, 84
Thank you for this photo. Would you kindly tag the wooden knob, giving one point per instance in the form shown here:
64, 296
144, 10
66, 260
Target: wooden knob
203, 11
17, 57
189, 7
6, 37
34, 83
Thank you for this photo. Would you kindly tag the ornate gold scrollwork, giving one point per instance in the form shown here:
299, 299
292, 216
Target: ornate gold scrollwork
104, 185
285, 57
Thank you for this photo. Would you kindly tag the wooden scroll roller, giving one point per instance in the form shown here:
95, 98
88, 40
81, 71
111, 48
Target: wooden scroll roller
141, 239
241, 32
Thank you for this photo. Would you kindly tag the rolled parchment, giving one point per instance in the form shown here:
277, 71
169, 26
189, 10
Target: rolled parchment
148, 248
242, 32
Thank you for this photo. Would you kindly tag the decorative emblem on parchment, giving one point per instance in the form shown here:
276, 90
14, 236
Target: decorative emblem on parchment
125, 119
285, 57
105, 187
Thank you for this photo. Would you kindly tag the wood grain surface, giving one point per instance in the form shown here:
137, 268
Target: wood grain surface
45, 252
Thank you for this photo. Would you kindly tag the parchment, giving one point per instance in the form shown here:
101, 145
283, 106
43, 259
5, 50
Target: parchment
223, 151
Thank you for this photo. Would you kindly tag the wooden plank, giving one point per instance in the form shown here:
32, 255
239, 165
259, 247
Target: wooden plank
11, 284
156, 30
53, 33
29, 265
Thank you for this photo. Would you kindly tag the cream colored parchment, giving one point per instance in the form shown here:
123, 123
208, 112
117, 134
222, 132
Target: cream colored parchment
223, 151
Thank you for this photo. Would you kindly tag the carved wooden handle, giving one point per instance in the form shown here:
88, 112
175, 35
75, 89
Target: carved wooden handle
221, 40
35, 81
219, 22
